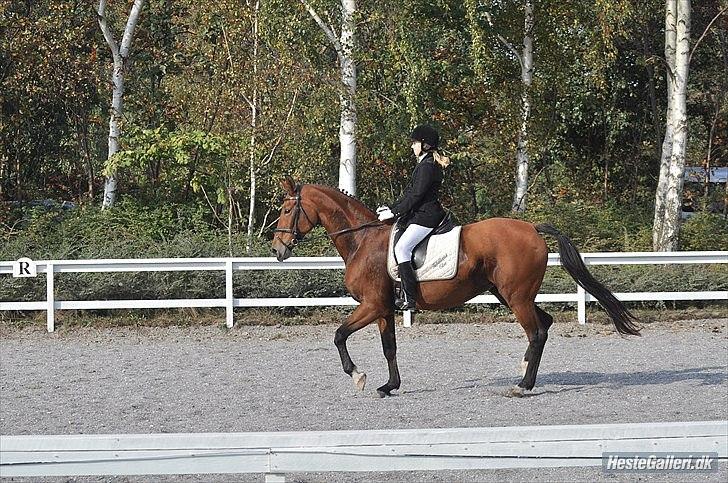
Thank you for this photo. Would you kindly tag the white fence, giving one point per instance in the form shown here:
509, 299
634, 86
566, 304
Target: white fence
27, 267
275, 454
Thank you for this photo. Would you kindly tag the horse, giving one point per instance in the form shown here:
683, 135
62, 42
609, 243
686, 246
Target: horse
506, 257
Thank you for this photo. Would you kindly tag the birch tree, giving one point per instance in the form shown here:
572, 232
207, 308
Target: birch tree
344, 46
253, 126
120, 55
668, 198
525, 60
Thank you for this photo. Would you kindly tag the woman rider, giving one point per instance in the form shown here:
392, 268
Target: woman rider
418, 209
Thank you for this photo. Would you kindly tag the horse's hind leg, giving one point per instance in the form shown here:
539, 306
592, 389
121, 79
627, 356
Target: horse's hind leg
389, 345
502, 300
536, 323
546, 321
362, 316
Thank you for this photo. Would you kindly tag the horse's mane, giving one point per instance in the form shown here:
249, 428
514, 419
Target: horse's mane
342, 194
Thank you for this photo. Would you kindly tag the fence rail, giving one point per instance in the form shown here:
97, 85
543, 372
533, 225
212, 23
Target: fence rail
275, 454
229, 265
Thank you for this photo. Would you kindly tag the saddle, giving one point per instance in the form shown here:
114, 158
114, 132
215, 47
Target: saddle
435, 257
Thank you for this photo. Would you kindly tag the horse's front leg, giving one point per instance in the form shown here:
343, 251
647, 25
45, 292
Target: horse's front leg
389, 345
361, 317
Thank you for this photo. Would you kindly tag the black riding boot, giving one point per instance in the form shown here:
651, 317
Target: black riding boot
409, 287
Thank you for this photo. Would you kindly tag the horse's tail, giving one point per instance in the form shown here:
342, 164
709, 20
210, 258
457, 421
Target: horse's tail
571, 260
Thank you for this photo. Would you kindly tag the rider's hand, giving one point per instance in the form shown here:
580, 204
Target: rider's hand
384, 213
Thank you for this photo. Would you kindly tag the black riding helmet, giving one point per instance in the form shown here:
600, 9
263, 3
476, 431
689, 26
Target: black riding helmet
427, 135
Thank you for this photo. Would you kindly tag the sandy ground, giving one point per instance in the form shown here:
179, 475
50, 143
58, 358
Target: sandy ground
252, 378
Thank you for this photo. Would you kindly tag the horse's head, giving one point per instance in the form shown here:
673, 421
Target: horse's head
297, 218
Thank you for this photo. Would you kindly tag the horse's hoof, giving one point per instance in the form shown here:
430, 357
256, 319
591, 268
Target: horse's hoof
384, 391
360, 379
517, 391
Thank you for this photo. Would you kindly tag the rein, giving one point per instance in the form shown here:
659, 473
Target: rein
347, 230
298, 237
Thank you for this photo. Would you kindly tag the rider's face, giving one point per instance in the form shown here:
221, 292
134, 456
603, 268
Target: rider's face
417, 148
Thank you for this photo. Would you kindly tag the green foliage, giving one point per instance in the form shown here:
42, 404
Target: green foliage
49, 98
593, 228
133, 230
598, 106
704, 231
168, 164
644, 278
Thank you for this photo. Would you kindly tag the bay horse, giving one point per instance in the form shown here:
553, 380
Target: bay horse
504, 256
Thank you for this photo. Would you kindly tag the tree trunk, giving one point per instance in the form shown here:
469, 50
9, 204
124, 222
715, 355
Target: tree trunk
3, 174
709, 154
668, 200
120, 55
347, 128
661, 192
344, 46
117, 107
653, 97
519, 198
253, 132
89, 166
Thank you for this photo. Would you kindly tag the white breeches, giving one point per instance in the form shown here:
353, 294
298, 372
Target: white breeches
413, 235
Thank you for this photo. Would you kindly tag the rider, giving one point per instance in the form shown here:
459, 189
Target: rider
419, 209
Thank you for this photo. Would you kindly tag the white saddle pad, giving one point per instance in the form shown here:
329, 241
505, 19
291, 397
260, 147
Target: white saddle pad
441, 261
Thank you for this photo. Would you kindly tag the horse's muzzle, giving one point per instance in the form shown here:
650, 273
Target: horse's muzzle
281, 252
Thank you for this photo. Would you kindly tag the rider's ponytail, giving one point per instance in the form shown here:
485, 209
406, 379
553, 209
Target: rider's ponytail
441, 159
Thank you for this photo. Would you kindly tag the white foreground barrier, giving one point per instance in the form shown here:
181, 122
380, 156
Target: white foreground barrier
275, 454
228, 266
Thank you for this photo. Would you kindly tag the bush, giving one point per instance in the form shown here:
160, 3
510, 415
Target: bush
704, 231
608, 228
134, 231
180, 231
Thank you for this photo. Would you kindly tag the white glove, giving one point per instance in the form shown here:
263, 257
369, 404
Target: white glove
384, 213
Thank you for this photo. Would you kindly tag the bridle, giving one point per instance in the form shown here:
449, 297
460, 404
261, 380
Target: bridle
297, 210
298, 236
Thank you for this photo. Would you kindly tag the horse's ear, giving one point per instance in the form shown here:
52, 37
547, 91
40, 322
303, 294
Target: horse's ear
289, 185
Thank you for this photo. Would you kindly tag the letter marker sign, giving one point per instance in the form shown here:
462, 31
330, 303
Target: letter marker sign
24, 267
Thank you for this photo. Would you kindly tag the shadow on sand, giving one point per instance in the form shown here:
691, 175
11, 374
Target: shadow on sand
706, 376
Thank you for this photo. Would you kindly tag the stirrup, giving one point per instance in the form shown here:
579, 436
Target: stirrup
403, 304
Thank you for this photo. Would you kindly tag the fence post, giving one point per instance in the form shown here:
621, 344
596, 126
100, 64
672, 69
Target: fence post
581, 304
229, 321
50, 298
407, 318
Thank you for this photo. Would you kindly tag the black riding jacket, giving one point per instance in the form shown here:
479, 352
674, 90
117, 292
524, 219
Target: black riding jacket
419, 203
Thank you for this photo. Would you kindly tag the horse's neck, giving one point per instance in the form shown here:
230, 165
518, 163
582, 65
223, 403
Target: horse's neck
338, 214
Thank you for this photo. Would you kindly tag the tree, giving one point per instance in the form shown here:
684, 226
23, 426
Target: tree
120, 56
525, 60
253, 125
668, 197
344, 47
48, 100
